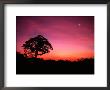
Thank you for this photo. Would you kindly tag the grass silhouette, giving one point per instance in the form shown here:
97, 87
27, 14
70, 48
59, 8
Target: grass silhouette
40, 66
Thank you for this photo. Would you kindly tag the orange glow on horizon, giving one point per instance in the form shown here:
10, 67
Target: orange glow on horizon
66, 56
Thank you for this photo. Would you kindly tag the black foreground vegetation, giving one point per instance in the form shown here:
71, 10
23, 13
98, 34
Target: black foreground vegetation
39, 66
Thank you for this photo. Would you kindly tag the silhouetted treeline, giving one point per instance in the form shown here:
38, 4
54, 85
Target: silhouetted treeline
40, 66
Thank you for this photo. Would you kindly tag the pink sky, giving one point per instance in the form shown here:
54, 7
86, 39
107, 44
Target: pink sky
71, 36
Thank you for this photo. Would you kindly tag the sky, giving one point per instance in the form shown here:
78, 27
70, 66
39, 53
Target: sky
72, 37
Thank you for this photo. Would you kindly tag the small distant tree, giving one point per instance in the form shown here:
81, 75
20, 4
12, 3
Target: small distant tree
37, 46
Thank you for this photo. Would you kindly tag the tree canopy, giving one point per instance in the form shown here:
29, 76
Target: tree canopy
36, 46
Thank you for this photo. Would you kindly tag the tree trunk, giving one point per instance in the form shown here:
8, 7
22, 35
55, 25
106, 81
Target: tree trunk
36, 53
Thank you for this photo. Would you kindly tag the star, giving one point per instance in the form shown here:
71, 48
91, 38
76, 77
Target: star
79, 24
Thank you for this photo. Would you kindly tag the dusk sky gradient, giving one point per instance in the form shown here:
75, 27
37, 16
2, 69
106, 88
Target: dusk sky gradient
72, 37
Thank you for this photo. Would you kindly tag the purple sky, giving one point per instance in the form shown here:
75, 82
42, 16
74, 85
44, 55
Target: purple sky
71, 36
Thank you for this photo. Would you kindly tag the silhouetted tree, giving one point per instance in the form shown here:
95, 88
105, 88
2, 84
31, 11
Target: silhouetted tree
37, 46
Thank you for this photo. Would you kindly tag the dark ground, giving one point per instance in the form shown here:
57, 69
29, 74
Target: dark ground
40, 66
